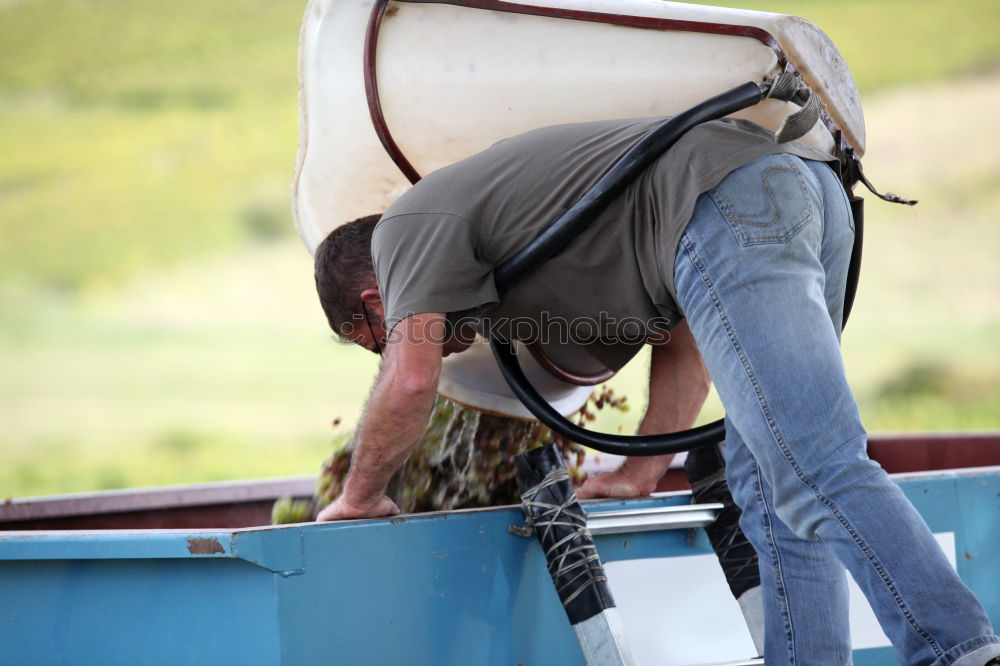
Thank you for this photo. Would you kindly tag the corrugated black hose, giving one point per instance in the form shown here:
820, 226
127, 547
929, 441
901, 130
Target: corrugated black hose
570, 224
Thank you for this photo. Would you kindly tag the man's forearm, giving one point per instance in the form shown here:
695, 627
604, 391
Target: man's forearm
392, 423
397, 411
678, 386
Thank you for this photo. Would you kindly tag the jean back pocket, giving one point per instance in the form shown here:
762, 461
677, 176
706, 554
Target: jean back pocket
768, 200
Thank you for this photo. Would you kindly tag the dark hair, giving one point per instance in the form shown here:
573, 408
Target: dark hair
343, 269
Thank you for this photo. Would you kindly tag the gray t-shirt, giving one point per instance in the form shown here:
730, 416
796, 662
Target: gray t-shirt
435, 248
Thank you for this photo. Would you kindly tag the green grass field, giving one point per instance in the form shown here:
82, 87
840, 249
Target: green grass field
157, 321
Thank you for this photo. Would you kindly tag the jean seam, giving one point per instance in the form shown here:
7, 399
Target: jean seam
778, 438
786, 615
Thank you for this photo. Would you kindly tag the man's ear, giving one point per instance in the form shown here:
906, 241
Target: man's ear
371, 296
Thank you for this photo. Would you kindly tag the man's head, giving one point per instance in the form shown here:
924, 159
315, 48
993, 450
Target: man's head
345, 282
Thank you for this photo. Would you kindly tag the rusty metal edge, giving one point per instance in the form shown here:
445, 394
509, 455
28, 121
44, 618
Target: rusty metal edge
166, 497
234, 533
206, 494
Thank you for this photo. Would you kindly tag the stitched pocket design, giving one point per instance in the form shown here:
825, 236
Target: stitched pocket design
765, 206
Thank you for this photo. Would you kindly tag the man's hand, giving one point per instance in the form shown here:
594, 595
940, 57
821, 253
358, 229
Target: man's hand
637, 477
609, 484
678, 385
341, 509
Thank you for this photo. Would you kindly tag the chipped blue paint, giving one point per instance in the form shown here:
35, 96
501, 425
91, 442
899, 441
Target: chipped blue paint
108, 545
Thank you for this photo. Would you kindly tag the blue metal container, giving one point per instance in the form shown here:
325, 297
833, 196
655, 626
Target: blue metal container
444, 588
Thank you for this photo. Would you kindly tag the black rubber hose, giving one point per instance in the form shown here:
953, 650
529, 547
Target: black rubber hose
562, 232
574, 221
646, 150
854, 268
623, 445
647, 445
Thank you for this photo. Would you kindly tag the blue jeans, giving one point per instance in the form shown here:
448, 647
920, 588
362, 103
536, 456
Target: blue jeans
760, 277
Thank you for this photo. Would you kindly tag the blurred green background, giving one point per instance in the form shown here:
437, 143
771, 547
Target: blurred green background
157, 318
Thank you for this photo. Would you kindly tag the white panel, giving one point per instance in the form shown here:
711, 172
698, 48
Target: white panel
679, 610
